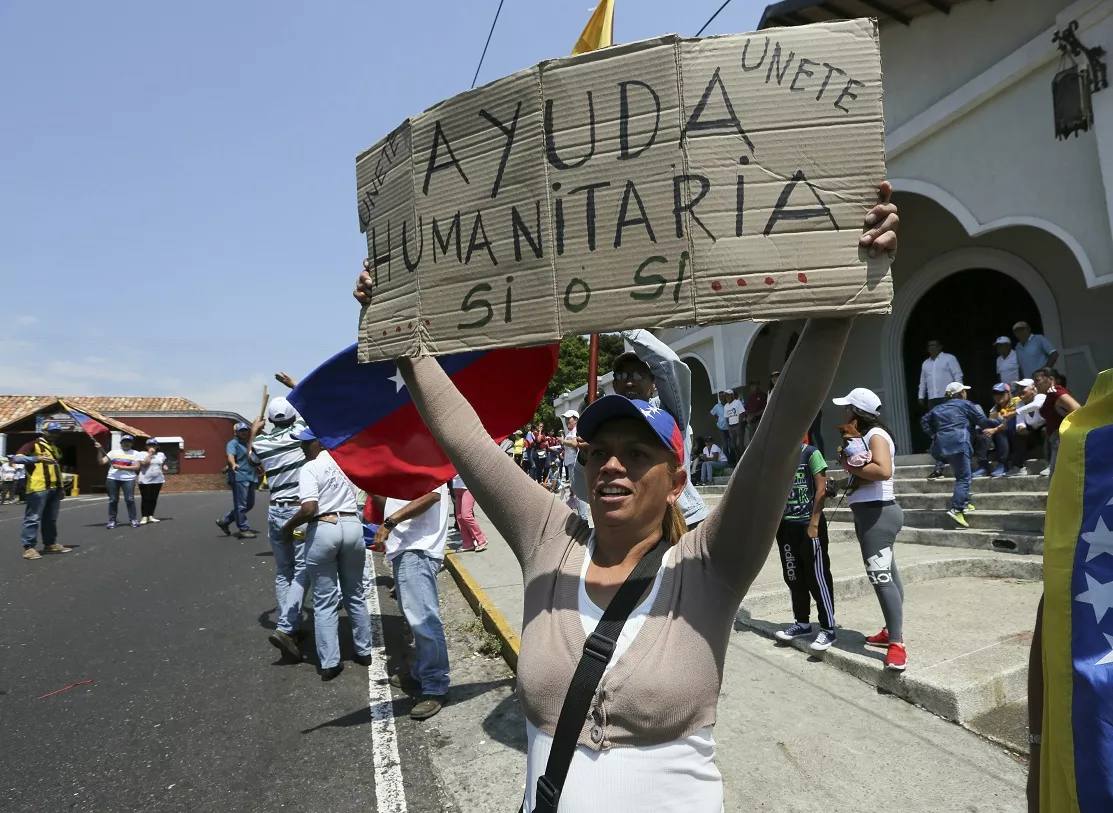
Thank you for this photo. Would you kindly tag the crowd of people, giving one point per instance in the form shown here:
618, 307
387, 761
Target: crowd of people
36, 469
1029, 402
319, 526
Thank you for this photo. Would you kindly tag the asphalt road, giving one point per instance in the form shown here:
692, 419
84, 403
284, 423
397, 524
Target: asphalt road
189, 707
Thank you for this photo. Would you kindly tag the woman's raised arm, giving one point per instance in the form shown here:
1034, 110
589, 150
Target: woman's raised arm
739, 533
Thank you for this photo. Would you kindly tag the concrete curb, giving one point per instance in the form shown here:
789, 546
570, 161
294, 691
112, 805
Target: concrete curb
492, 619
959, 704
951, 693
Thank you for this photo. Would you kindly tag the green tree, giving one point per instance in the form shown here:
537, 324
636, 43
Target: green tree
572, 367
611, 346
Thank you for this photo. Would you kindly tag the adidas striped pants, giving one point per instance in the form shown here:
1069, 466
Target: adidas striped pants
807, 571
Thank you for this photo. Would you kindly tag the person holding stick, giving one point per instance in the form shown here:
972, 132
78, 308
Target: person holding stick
124, 464
639, 609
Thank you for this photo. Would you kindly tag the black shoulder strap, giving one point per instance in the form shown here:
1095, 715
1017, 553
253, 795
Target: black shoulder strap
598, 650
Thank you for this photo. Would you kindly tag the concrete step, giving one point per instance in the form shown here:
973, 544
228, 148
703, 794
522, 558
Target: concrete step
940, 500
1002, 541
1030, 484
1029, 522
944, 485
967, 636
921, 471
914, 460
987, 501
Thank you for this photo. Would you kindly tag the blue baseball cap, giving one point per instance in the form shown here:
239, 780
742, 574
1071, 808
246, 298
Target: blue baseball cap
1000, 387
618, 406
127, 437
53, 426
304, 435
240, 426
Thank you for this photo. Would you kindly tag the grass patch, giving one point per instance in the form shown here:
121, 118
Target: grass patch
481, 641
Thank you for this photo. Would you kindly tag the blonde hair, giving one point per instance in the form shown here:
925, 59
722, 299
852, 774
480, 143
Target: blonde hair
673, 526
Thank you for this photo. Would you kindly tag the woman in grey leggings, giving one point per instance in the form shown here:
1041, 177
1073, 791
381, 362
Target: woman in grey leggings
877, 519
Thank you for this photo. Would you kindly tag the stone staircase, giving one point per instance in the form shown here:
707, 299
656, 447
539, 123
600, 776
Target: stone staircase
1007, 516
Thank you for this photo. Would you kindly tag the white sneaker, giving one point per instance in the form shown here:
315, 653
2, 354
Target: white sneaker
794, 631
143, 521
822, 641
153, 519
1046, 472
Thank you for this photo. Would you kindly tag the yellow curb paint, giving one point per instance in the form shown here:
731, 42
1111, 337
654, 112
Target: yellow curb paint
493, 620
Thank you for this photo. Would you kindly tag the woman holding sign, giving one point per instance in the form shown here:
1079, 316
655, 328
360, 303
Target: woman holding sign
625, 627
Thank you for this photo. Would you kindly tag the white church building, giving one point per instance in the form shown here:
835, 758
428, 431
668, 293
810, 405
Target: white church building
1001, 221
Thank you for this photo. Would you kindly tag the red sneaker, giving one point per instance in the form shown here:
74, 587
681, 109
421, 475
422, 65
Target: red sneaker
881, 639
896, 659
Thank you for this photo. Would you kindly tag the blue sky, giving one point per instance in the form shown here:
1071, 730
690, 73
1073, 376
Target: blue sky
177, 194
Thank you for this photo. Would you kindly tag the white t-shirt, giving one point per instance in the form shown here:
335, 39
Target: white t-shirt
715, 453
153, 472
875, 490
322, 480
570, 452
1008, 368
678, 776
427, 532
118, 457
733, 411
7, 472
1029, 414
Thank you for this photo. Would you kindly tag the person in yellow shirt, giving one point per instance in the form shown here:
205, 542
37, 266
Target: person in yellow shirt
41, 457
519, 446
1009, 450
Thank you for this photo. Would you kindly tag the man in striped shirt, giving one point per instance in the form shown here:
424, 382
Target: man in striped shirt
282, 459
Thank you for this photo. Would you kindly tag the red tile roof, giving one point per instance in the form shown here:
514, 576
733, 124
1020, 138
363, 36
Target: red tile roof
17, 407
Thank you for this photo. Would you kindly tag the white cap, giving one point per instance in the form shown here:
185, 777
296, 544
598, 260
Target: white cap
954, 388
571, 414
279, 409
1026, 382
861, 398
1002, 340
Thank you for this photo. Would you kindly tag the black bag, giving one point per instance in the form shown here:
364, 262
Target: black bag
598, 650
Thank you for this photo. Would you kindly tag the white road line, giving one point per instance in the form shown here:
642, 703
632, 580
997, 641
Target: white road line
389, 791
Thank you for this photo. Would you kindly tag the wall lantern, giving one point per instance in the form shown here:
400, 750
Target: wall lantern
1074, 84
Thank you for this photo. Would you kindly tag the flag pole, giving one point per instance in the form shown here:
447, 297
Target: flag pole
263, 408
593, 369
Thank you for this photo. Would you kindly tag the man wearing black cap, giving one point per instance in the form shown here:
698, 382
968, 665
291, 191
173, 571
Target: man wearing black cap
653, 364
41, 458
242, 478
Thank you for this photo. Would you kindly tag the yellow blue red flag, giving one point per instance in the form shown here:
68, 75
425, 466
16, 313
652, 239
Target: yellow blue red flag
1076, 768
599, 31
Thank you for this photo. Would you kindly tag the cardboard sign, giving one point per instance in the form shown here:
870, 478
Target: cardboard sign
662, 183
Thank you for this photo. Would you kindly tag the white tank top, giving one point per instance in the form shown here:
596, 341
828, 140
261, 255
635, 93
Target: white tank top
874, 490
674, 777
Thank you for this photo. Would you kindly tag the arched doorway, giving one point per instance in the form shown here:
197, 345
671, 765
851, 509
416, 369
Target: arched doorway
965, 311
703, 399
768, 351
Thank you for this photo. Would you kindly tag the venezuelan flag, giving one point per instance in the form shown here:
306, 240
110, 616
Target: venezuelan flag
1076, 767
